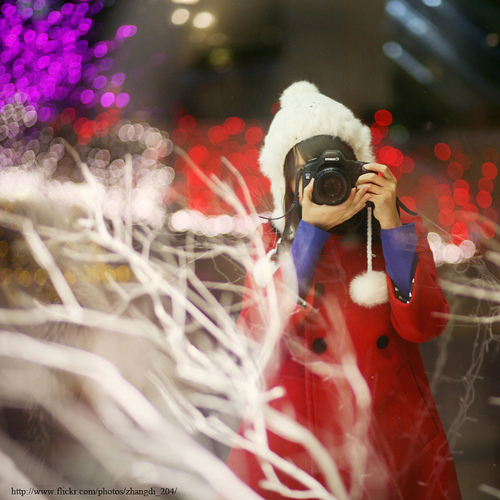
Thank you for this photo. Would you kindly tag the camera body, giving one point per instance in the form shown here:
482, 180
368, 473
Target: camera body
334, 177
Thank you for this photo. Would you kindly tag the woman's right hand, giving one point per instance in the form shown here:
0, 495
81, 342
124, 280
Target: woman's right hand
328, 216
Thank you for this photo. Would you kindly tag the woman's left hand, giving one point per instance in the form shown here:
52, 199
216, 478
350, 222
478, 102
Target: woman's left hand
382, 189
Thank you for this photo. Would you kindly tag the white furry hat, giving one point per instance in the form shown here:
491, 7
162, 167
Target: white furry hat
305, 113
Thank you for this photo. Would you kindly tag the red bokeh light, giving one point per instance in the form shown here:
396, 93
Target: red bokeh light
198, 154
442, 151
461, 196
461, 216
446, 217
199, 202
79, 124
250, 151
85, 129
376, 136
382, 130
67, 116
491, 213
471, 212
442, 190
485, 184
460, 232
179, 136
446, 203
193, 179
213, 166
187, 122
490, 170
217, 134
409, 202
484, 199
407, 165
488, 229
383, 117
238, 160
234, 125
391, 156
461, 184
254, 135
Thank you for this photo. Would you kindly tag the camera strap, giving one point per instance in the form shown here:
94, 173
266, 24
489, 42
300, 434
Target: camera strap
402, 206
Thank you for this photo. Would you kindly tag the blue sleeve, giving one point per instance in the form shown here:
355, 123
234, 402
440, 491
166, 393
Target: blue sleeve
399, 246
306, 249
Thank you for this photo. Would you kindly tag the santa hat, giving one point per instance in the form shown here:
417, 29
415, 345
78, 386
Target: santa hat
304, 113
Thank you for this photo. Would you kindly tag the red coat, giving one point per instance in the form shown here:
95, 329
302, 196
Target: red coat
392, 447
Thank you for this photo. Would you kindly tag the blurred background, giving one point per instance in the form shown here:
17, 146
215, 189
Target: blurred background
423, 74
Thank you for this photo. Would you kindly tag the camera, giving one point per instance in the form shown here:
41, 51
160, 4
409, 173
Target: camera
334, 177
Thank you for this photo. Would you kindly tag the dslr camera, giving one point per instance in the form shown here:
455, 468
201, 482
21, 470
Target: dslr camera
334, 177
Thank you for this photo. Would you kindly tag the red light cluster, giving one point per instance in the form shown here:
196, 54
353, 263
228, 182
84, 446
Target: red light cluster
461, 200
463, 204
206, 145
87, 129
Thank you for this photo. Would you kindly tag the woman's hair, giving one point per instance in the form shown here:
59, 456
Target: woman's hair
309, 149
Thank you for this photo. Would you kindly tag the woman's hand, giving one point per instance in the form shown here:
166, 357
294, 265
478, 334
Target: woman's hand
382, 191
328, 216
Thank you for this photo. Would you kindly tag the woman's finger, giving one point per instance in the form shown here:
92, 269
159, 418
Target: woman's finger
306, 193
381, 169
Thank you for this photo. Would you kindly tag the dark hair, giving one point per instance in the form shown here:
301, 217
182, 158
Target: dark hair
309, 149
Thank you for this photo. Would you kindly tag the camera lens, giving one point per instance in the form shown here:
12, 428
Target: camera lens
331, 187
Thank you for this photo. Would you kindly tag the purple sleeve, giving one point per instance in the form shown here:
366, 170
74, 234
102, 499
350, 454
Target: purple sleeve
306, 249
399, 247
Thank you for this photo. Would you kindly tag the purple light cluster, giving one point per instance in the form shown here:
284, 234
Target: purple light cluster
46, 57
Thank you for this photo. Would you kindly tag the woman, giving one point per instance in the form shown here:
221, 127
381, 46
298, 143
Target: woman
367, 294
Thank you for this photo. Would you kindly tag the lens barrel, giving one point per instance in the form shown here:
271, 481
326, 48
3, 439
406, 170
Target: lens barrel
331, 187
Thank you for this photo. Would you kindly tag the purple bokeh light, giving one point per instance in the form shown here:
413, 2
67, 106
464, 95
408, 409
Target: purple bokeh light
107, 99
87, 96
101, 49
100, 82
122, 100
118, 79
45, 55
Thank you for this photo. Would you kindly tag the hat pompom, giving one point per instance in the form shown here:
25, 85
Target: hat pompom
301, 87
369, 289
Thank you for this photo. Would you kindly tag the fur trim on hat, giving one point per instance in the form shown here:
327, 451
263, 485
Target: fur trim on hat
305, 113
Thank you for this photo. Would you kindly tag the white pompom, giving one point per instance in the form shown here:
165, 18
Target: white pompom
297, 88
369, 289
